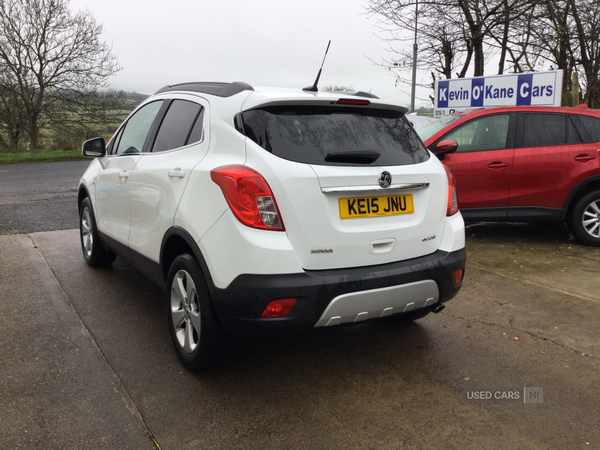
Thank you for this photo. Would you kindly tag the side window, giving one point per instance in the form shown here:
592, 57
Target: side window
592, 125
484, 133
136, 129
548, 129
177, 125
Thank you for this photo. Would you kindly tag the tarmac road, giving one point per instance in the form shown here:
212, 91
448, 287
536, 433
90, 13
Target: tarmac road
86, 361
39, 197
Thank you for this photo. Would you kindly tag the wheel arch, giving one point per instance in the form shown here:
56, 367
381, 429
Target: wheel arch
83, 193
583, 188
175, 242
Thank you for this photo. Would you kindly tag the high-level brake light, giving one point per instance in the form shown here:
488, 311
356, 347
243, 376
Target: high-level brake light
351, 101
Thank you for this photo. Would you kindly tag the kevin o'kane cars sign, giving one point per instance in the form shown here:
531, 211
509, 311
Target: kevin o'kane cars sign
539, 89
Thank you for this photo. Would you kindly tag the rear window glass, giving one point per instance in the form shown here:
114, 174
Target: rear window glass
548, 129
335, 136
592, 125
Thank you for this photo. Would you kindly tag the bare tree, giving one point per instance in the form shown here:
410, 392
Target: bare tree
13, 120
528, 35
443, 44
454, 36
53, 61
586, 18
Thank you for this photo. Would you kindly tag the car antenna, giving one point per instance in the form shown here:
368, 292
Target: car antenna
314, 88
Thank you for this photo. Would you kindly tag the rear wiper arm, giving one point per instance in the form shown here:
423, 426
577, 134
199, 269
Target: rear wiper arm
360, 157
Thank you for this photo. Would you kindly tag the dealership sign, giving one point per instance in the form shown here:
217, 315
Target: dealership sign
539, 89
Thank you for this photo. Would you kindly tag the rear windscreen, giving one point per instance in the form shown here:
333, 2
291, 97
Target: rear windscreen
326, 135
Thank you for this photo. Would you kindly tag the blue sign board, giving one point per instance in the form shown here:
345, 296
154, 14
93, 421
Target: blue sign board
539, 88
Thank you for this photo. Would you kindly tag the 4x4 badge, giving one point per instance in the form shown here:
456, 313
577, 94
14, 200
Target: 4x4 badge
385, 179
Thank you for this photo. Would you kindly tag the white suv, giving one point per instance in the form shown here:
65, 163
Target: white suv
275, 210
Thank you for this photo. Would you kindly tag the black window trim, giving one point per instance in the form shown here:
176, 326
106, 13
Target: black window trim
582, 129
187, 138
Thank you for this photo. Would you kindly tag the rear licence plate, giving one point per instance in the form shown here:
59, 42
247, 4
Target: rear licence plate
385, 205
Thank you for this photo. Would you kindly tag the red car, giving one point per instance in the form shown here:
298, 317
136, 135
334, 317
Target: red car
524, 164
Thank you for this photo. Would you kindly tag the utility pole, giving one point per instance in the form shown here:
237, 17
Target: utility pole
414, 65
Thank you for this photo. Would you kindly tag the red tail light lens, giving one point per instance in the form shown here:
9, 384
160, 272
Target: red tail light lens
249, 197
452, 199
279, 308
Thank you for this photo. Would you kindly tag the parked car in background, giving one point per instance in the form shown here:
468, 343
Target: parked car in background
524, 164
419, 121
264, 210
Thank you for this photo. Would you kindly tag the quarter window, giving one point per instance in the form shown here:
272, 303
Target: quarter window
136, 129
176, 128
548, 129
484, 133
592, 125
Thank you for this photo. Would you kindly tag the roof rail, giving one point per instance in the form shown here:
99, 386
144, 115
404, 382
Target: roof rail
218, 89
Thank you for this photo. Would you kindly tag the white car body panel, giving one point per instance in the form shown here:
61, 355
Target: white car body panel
265, 252
322, 240
112, 202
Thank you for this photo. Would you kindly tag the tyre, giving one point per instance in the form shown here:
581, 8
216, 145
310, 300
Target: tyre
584, 221
94, 252
199, 339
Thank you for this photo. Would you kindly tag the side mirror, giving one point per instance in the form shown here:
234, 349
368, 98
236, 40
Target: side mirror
94, 148
446, 146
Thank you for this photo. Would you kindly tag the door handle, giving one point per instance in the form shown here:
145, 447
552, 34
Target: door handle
584, 157
176, 173
498, 165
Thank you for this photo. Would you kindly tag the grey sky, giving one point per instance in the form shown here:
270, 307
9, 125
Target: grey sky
261, 42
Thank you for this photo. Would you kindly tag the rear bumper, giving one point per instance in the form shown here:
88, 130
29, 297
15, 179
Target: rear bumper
329, 297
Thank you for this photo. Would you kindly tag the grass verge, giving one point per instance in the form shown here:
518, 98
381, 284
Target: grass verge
38, 157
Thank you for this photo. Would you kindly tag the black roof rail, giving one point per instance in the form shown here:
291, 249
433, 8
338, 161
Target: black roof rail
218, 89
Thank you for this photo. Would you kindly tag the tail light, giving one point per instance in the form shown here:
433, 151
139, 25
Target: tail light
452, 199
249, 197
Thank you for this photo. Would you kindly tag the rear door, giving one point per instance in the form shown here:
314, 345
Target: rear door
161, 174
483, 163
551, 158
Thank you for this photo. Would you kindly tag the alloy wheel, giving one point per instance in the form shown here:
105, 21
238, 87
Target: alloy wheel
591, 219
185, 311
87, 234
